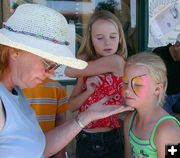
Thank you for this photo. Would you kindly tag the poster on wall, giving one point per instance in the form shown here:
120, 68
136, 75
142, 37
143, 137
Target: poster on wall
164, 22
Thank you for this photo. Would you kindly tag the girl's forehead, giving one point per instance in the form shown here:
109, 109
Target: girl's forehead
135, 70
102, 23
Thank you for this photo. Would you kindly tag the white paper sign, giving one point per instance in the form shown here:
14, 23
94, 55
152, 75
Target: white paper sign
164, 22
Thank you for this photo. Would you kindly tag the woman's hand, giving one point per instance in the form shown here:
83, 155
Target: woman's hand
99, 110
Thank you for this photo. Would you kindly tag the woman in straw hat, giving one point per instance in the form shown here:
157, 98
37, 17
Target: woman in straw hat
32, 45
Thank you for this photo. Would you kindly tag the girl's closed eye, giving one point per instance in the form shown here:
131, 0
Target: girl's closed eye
137, 83
136, 88
113, 37
99, 38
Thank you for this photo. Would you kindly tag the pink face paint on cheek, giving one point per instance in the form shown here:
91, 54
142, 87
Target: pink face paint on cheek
143, 90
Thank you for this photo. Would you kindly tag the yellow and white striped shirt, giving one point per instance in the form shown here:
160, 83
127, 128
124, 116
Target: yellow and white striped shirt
47, 99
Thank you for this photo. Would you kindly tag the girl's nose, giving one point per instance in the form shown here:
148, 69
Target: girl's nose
107, 41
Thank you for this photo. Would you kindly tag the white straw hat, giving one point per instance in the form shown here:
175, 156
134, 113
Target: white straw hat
41, 31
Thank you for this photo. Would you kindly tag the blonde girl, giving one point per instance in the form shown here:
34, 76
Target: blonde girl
104, 49
148, 129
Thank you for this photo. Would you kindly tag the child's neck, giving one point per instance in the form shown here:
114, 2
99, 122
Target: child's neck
144, 122
147, 115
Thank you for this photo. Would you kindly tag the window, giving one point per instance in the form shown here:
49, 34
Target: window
77, 13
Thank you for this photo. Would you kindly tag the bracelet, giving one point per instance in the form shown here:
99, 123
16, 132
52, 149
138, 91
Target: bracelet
79, 122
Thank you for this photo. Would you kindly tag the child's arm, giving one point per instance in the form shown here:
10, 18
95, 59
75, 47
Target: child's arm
113, 63
77, 97
168, 132
127, 153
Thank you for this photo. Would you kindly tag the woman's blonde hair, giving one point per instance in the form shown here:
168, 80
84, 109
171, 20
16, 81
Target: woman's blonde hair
87, 46
156, 67
4, 59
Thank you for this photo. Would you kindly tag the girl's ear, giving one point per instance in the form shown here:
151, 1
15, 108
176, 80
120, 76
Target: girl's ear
158, 88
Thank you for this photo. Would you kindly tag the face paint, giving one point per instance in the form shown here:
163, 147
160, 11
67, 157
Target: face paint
125, 84
137, 83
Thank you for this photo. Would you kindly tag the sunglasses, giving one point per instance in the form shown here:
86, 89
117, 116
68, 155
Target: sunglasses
49, 65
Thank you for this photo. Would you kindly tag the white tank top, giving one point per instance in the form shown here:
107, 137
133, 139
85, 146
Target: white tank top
21, 136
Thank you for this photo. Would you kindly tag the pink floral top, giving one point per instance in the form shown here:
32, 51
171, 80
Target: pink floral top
111, 86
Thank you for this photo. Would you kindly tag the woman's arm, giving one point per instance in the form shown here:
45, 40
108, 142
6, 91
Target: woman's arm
113, 63
126, 137
60, 119
168, 132
60, 136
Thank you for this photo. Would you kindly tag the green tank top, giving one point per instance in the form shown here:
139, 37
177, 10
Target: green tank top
145, 148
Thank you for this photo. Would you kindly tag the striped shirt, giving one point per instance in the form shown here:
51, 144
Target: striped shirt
48, 100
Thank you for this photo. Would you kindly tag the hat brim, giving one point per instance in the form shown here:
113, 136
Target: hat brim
43, 48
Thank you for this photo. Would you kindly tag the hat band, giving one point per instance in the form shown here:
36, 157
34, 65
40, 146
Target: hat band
36, 35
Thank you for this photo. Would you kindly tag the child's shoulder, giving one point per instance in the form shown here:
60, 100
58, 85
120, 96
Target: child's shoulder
169, 123
168, 129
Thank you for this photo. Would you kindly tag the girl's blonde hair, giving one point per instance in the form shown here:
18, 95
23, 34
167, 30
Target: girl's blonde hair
4, 59
156, 67
87, 46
